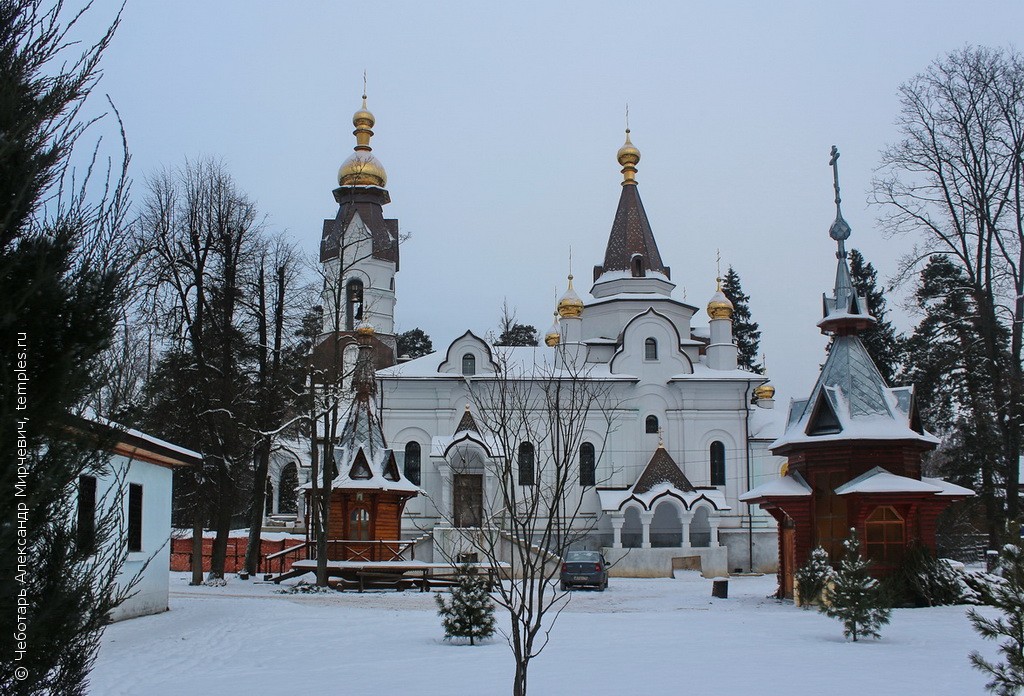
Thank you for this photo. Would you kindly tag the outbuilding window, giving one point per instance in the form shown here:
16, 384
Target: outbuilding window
87, 513
134, 516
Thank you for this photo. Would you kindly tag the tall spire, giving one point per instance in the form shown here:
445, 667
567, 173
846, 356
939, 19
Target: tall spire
845, 312
631, 246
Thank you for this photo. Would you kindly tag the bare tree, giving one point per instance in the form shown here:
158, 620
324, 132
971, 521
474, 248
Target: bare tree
273, 308
198, 233
955, 179
536, 418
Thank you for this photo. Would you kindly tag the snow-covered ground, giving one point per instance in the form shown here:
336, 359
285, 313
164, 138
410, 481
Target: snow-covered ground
639, 637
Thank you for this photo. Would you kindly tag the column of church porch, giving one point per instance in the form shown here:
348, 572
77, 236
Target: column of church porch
446, 511
618, 519
713, 523
645, 519
684, 521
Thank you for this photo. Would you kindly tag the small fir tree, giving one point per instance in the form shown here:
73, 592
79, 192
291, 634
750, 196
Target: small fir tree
1008, 597
813, 577
854, 597
470, 611
744, 330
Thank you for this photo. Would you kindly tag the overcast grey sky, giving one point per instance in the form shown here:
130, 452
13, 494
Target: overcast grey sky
498, 125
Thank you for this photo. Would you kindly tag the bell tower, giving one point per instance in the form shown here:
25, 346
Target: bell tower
359, 250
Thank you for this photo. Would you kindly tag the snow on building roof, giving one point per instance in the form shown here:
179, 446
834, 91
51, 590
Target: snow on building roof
878, 480
791, 486
852, 397
766, 423
619, 499
948, 488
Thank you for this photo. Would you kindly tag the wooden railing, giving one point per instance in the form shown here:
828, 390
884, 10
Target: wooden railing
342, 550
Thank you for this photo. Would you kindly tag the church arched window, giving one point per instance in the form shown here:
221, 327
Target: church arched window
412, 462
717, 463
650, 349
638, 266
588, 464
286, 487
353, 303
526, 464
469, 364
651, 425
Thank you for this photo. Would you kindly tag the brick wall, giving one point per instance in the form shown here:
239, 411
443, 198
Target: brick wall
181, 552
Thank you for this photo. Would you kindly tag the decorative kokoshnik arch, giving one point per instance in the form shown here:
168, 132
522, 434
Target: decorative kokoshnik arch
662, 483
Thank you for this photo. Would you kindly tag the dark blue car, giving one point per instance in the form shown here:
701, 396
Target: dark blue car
584, 569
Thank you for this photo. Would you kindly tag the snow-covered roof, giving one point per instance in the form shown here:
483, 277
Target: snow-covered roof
618, 499
851, 401
521, 361
947, 487
766, 423
878, 480
702, 372
791, 486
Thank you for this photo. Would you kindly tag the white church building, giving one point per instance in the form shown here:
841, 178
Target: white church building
690, 431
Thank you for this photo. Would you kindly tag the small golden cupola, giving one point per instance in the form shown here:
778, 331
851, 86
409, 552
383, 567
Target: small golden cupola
628, 157
719, 307
764, 391
362, 168
553, 337
570, 306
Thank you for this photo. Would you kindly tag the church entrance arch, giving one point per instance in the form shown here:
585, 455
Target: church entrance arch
468, 499
666, 529
632, 529
700, 528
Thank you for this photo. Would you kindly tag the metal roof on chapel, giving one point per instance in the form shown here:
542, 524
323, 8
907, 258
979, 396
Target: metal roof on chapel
631, 233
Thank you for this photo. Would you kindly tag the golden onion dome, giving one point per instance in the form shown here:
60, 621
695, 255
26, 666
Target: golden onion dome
570, 306
553, 337
628, 156
365, 328
719, 306
362, 168
764, 391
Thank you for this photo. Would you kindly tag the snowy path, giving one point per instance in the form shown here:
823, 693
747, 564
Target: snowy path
639, 637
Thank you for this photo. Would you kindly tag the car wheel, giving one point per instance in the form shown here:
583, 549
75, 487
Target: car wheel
565, 588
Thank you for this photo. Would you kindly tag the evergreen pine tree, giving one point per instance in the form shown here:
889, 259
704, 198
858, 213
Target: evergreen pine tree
854, 596
884, 345
1008, 597
470, 611
943, 355
414, 343
813, 577
62, 262
744, 330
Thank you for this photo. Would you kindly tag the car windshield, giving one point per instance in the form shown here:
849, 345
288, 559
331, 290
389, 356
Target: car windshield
583, 557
